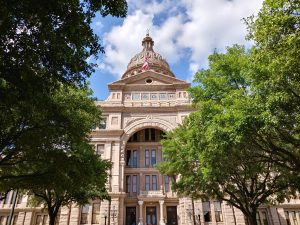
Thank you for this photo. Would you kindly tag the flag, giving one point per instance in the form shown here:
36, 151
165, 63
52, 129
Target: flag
146, 64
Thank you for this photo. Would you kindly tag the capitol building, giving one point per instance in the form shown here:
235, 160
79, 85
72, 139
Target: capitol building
145, 103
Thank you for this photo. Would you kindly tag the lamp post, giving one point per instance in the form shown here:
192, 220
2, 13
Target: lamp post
113, 214
189, 212
105, 216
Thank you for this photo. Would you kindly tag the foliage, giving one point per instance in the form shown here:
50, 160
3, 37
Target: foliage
44, 47
275, 79
55, 162
215, 150
77, 177
61, 126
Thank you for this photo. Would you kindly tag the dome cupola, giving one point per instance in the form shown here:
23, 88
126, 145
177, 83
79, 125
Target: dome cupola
155, 61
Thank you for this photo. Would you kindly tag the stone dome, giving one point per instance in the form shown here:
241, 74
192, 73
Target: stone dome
155, 61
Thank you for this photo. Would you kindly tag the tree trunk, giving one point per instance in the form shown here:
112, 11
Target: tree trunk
193, 212
251, 218
52, 213
52, 219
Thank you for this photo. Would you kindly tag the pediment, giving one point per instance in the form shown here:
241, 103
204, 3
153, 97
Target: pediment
149, 78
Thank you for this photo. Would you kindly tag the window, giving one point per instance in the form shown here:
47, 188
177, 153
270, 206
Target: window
13, 197
150, 134
134, 184
131, 184
136, 96
19, 201
153, 96
162, 96
153, 157
147, 183
134, 137
128, 182
206, 211
96, 213
150, 182
294, 218
102, 123
145, 96
132, 158
7, 198
100, 150
154, 182
135, 158
288, 222
167, 184
128, 159
38, 220
41, 220
130, 216
218, 211
150, 160
171, 96
265, 218
84, 214
147, 158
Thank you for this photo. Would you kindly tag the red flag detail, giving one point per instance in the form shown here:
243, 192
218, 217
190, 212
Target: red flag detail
145, 66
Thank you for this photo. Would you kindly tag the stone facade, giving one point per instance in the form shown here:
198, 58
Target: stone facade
142, 105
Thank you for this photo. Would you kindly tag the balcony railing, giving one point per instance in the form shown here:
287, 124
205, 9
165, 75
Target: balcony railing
158, 193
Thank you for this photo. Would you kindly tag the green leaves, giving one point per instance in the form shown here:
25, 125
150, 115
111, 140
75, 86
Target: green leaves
217, 152
44, 100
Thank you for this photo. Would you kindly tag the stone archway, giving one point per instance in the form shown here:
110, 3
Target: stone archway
146, 123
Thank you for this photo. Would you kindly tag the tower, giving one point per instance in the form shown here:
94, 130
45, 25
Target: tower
145, 103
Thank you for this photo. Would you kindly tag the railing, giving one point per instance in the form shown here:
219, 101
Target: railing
158, 193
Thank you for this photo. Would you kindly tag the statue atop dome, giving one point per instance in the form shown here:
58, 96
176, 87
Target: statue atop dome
155, 61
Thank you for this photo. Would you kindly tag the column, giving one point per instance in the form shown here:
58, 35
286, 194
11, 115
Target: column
141, 183
161, 207
121, 210
141, 212
122, 166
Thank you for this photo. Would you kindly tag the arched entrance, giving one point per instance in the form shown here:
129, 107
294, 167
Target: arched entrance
144, 185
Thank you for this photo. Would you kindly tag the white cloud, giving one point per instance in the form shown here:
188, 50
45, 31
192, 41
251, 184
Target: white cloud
182, 30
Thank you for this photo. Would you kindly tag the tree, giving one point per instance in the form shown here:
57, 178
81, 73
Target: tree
61, 126
44, 47
214, 152
59, 166
77, 178
275, 79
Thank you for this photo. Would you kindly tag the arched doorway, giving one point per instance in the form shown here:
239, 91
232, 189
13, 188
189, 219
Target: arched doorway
145, 187
142, 153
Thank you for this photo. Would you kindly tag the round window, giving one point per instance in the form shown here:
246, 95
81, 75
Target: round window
149, 81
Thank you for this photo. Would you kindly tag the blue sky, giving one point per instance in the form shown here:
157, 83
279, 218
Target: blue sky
185, 33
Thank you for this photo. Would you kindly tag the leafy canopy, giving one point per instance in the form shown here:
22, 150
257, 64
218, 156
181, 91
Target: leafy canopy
215, 151
44, 51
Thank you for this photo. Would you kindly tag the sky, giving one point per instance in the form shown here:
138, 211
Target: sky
185, 33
